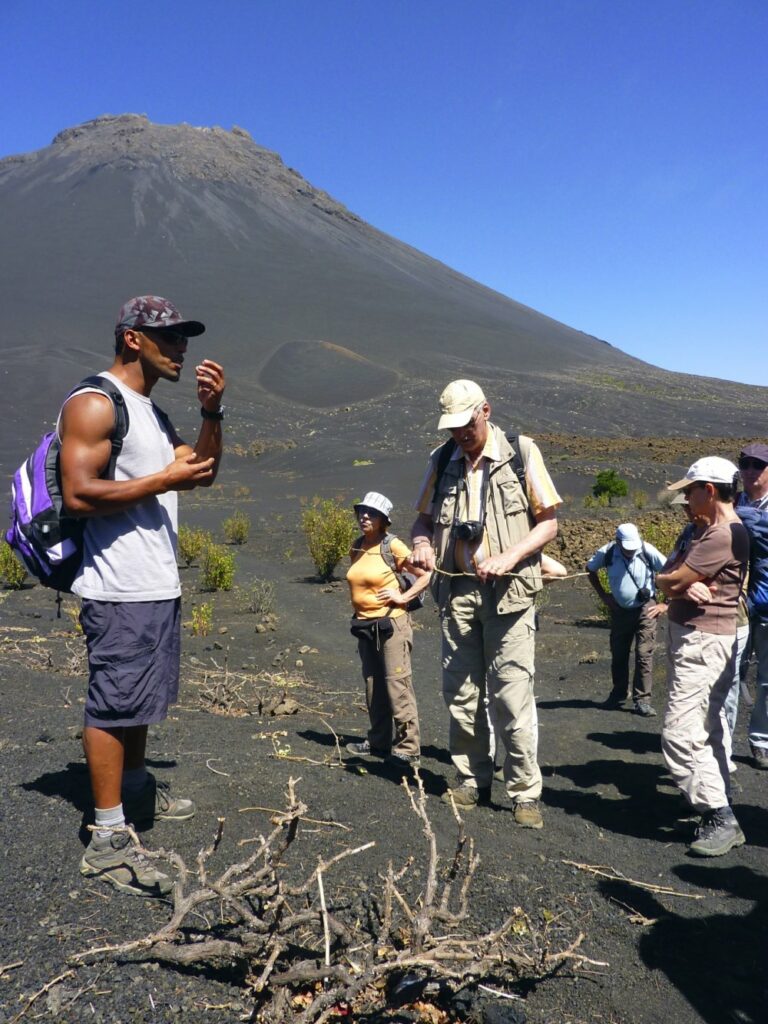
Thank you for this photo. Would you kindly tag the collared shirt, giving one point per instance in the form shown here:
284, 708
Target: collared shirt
626, 577
743, 499
540, 488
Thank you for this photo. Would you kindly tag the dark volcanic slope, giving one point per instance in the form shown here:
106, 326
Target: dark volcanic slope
120, 206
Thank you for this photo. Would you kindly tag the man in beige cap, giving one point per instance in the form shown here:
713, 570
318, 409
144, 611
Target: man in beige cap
486, 508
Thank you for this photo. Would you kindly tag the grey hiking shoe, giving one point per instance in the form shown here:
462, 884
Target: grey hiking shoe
364, 749
118, 862
155, 802
404, 760
528, 815
759, 757
643, 708
466, 796
718, 833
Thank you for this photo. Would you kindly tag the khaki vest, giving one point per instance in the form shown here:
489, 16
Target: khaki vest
508, 520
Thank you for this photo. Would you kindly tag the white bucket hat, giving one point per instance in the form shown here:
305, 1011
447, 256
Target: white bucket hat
377, 502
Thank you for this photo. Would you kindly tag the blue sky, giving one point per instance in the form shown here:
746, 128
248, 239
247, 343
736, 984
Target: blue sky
603, 161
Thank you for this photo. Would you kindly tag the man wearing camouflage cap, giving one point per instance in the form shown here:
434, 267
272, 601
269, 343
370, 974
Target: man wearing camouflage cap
129, 581
486, 508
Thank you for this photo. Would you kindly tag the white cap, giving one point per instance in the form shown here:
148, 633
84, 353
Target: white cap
628, 536
457, 403
377, 502
713, 469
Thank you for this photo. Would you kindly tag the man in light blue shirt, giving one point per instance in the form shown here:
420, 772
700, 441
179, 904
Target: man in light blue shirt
631, 566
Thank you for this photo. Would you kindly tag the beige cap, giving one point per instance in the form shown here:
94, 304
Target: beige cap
457, 403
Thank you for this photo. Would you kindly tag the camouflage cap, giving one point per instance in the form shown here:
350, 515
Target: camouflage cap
154, 312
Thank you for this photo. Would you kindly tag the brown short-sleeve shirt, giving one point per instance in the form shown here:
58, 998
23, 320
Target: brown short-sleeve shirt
720, 555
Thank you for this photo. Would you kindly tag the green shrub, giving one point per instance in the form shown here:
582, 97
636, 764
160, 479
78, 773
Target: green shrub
192, 543
218, 570
602, 609
12, 571
237, 528
662, 534
330, 529
639, 499
609, 483
202, 619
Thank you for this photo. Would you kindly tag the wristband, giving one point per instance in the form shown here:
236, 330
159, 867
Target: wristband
218, 414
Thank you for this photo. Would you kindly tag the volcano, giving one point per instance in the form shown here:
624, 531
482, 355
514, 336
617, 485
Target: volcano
308, 307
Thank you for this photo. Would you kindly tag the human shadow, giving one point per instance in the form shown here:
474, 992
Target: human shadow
633, 741
73, 784
381, 768
640, 810
573, 704
715, 960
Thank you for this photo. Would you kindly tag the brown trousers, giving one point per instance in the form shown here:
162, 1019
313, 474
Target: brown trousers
389, 689
627, 625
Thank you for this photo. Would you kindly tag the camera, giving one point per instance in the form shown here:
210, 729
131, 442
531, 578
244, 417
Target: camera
644, 594
470, 530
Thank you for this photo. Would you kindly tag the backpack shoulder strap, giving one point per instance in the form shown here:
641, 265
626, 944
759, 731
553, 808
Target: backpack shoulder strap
444, 454
521, 448
609, 555
122, 422
386, 552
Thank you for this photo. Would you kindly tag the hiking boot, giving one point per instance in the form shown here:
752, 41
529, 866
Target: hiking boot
643, 708
364, 749
718, 833
155, 803
115, 860
466, 796
759, 757
404, 760
528, 815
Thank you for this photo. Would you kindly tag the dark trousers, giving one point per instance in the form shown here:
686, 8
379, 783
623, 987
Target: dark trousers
628, 625
389, 689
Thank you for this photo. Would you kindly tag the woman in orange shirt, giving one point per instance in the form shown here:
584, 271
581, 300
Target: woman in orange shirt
382, 626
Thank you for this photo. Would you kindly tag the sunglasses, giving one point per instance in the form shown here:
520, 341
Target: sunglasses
691, 487
747, 463
368, 513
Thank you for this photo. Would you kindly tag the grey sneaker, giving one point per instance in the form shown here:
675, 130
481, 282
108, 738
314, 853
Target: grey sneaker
404, 760
498, 773
759, 757
718, 833
364, 749
528, 815
155, 802
466, 796
642, 707
116, 860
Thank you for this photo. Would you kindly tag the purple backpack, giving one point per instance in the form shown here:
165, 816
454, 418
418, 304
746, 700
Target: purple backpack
48, 541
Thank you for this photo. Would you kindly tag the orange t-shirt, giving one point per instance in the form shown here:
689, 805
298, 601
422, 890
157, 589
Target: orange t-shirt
369, 573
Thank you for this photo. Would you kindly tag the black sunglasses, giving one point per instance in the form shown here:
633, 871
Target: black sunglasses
747, 463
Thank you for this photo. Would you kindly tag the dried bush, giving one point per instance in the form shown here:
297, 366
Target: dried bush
310, 958
330, 529
192, 543
237, 528
258, 598
12, 571
218, 570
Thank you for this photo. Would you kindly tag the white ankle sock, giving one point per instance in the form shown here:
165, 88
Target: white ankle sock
108, 818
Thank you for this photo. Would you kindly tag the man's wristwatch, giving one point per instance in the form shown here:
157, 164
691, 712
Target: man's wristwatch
218, 414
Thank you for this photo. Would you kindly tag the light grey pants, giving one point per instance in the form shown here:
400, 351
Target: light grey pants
484, 652
758, 723
700, 673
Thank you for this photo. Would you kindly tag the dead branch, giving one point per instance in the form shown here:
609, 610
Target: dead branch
602, 872
40, 992
291, 936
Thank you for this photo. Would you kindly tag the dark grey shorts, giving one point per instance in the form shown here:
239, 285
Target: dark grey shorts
133, 658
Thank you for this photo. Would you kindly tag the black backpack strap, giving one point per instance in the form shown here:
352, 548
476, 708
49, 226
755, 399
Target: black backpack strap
519, 458
122, 421
386, 553
444, 454
609, 555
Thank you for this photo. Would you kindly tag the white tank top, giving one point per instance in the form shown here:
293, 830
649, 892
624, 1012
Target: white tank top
131, 555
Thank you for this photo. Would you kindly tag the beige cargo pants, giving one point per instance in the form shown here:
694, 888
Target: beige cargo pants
485, 652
